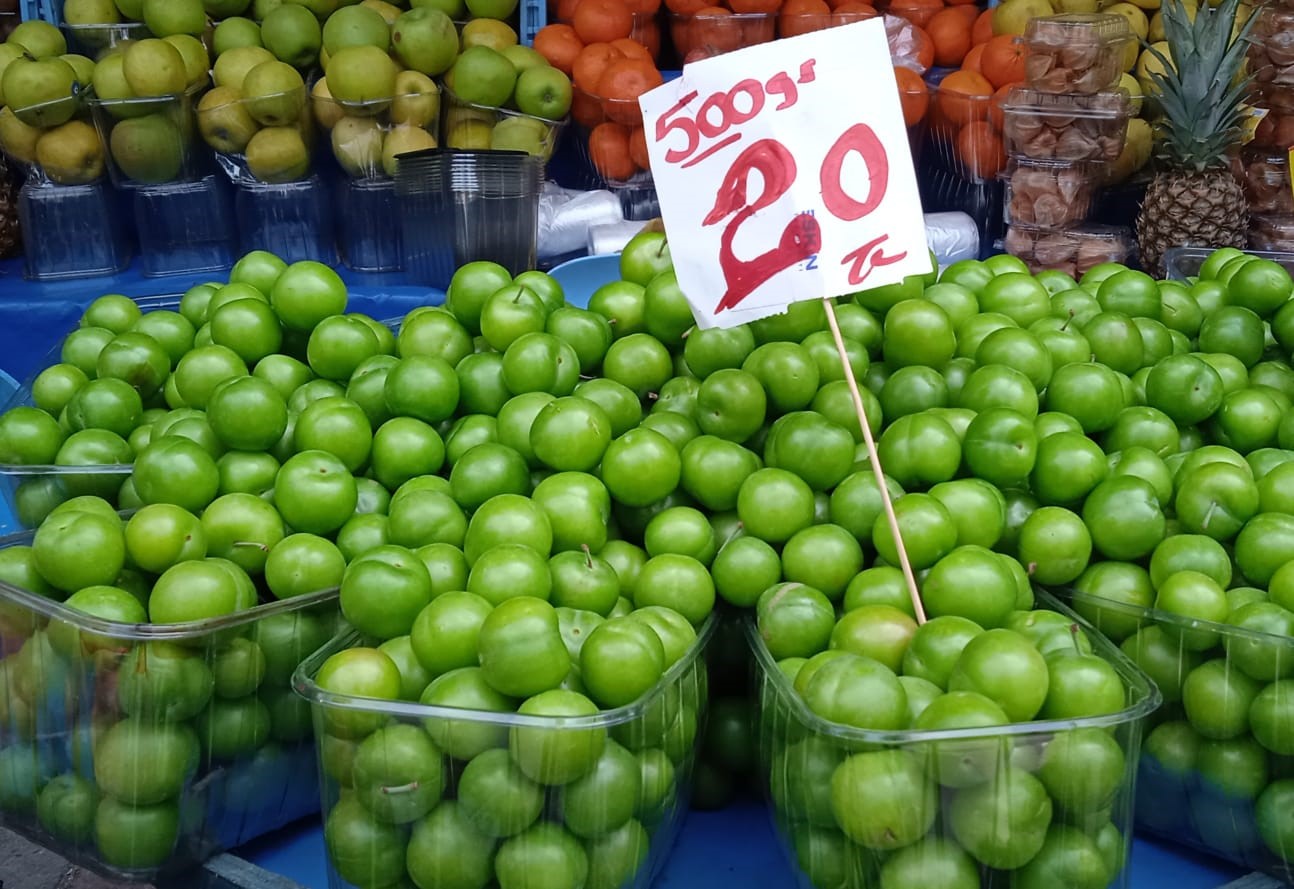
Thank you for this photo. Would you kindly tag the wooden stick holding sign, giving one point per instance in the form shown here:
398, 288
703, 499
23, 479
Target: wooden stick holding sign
878, 471
779, 184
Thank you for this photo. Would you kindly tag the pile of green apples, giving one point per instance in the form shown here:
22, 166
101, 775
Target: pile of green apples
43, 117
510, 477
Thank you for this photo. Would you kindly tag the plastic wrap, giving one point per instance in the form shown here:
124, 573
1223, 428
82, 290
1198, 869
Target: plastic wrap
952, 236
567, 216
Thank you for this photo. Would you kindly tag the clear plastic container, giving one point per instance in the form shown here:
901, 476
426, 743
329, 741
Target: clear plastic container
965, 133
122, 750
73, 231
95, 40
1059, 126
269, 140
1049, 194
1271, 47
365, 137
150, 141
457, 207
1275, 132
713, 33
1266, 178
484, 812
185, 227
1079, 53
1272, 234
1183, 263
470, 127
793, 24
369, 235
55, 141
1073, 250
293, 220
1227, 796
1002, 808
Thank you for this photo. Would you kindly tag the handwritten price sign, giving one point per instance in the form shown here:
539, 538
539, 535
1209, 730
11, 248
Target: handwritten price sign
784, 174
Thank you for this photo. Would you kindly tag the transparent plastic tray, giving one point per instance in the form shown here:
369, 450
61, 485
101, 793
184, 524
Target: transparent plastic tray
190, 773
714, 33
1078, 53
1188, 802
466, 125
1182, 263
660, 731
1048, 126
800, 754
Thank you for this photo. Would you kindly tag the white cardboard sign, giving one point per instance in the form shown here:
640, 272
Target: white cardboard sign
784, 173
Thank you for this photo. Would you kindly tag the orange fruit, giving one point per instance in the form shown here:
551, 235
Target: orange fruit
630, 49
979, 147
995, 104
638, 148
950, 33
609, 151
914, 95
918, 12
852, 11
1003, 60
566, 10
590, 63
836, 4
643, 8
982, 30
560, 45
601, 21
712, 28
686, 7
802, 17
751, 6
620, 85
963, 97
973, 58
586, 110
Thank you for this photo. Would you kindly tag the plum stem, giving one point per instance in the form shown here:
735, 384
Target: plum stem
253, 543
588, 556
1208, 515
401, 788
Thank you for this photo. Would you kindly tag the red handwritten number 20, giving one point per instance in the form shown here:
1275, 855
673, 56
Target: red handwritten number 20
802, 236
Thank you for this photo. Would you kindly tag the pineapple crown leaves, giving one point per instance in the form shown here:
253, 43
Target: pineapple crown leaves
1199, 92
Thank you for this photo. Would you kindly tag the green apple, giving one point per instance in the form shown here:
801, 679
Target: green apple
483, 76
356, 26
167, 17
131, 10
524, 57
417, 100
293, 35
110, 85
544, 92
488, 32
194, 53
235, 32
231, 67
520, 134
41, 92
425, 40
8, 52
18, 139
327, 110
389, 11
274, 93
148, 149
224, 121
470, 134
41, 39
83, 66
153, 67
71, 154
262, 8
357, 145
278, 154
90, 12
359, 74
402, 140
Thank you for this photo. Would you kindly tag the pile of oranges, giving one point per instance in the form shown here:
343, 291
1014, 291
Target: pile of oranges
610, 47
609, 69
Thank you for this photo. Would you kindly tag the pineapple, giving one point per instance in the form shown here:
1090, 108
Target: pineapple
1194, 198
